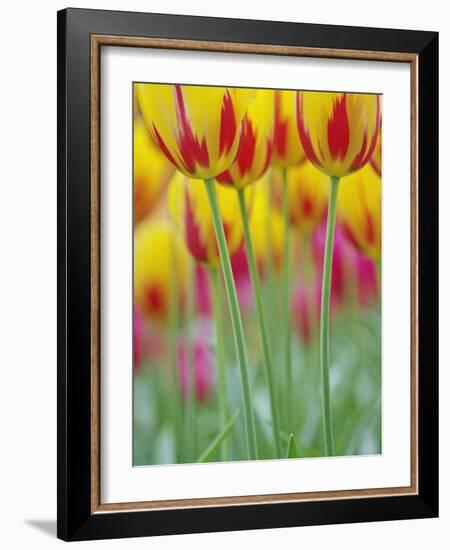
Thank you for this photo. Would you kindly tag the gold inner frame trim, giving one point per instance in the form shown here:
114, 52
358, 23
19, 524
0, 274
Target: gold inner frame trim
97, 41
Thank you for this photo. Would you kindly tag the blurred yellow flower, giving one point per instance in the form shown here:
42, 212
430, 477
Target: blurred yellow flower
152, 171
338, 131
359, 208
288, 149
307, 189
189, 207
196, 127
256, 143
160, 260
266, 226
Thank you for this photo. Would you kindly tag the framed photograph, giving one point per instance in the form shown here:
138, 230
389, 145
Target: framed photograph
247, 274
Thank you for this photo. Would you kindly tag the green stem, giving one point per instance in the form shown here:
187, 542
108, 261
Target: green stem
220, 356
325, 319
285, 312
219, 439
236, 321
267, 352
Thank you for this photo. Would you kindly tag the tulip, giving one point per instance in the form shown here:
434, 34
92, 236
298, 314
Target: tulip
159, 259
196, 127
152, 171
188, 205
253, 158
339, 132
307, 196
203, 369
252, 161
288, 150
367, 280
359, 209
256, 143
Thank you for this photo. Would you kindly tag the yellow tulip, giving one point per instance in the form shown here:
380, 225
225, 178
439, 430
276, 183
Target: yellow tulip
196, 127
307, 190
359, 208
160, 260
256, 143
189, 207
266, 226
338, 131
152, 171
288, 149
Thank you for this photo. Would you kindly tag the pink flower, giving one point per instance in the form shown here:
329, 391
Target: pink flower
242, 278
304, 312
138, 338
203, 369
366, 276
343, 257
202, 291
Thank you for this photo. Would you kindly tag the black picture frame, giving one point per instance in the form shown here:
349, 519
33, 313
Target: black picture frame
75, 518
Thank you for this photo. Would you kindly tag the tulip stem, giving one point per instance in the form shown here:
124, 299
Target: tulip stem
285, 284
236, 320
267, 352
325, 319
220, 357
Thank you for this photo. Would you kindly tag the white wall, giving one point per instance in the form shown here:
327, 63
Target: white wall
28, 270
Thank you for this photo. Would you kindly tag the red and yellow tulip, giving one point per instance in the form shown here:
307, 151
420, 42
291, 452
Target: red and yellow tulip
307, 189
188, 204
196, 127
152, 171
359, 208
338, 131
256, 143
159, 258
288, 150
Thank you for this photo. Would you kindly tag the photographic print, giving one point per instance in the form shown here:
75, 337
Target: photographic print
257, 261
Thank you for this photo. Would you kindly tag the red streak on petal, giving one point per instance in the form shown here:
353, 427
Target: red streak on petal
225, 178
193, 237
191, 150
227, 125
155, 301
164, 147
361, 159
246, 153
306, 207
280, 129
338, 129
303, 133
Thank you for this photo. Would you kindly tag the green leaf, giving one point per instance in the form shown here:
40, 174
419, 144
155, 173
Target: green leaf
216, 442
292, 447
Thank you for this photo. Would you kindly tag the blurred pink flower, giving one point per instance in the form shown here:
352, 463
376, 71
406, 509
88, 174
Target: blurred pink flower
138, 338
203, 368
366, 275
202, 291
304, 312
343, 257
242, 278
